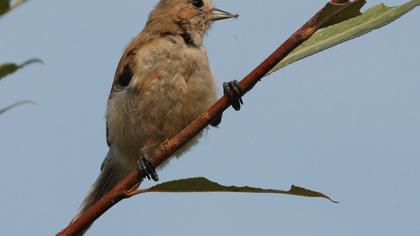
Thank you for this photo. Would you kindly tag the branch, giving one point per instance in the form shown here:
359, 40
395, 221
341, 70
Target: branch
333, 10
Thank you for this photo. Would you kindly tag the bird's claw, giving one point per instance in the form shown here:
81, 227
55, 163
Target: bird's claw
147, 168
232, 90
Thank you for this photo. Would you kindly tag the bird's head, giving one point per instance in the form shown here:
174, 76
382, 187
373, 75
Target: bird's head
190, 17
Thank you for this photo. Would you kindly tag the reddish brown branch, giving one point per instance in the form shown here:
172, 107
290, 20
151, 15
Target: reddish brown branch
170, 146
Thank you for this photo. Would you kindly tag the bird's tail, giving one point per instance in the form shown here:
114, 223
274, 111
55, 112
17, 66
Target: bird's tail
110, 175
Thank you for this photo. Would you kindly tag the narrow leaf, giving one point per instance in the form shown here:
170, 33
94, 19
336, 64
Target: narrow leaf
374, 18
15, 105
7, 5
200, 184
9, 68
334, 13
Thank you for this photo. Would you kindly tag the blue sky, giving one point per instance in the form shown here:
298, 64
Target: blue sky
345, 122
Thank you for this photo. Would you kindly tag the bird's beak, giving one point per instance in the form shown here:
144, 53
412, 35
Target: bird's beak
217, 14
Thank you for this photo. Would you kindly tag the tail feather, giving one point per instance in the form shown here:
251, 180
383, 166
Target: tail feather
110, 175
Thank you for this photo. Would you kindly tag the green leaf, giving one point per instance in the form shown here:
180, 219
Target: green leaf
374, 18
200, 184
334, 13
8, 5
9, 68
15, 105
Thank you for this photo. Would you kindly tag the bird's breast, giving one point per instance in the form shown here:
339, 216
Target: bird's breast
173, 85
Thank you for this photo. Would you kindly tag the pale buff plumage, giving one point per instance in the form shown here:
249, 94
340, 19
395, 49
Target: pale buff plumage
162, 83
175, 86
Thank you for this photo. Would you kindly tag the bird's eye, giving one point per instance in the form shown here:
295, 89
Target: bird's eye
197, 3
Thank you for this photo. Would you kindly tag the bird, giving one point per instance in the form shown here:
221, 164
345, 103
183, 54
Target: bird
162, 83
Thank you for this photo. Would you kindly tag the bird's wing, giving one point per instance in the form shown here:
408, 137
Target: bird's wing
122, 78
125, 72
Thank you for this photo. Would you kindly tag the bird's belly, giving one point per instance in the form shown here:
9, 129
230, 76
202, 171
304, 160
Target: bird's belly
139, 126
169, 109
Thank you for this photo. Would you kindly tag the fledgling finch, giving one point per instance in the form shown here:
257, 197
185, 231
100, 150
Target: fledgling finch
162, 83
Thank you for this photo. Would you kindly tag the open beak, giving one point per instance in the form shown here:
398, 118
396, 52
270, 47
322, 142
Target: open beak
217, 14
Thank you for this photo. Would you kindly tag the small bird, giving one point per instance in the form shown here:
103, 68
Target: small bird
162, 83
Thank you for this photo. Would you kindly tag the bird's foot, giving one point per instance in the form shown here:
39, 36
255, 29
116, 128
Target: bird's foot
216, 121
232, 90
146, 167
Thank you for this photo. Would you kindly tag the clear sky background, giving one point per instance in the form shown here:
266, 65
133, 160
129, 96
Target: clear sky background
345, 122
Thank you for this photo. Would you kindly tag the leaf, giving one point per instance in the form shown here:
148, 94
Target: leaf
200, 184
374, 18
334, 13
15, 105
7, 5
9, 68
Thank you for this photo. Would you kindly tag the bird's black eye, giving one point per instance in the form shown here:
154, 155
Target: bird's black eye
197, 3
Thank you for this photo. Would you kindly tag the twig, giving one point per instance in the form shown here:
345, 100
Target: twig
119, 192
